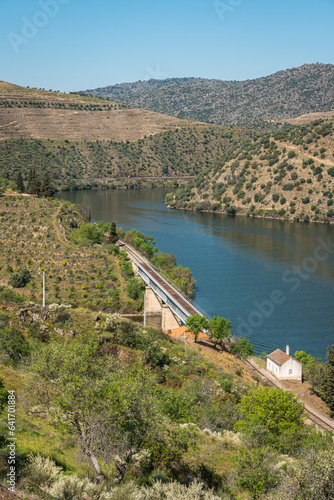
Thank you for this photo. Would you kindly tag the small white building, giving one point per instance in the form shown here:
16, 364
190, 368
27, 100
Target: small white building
284, 366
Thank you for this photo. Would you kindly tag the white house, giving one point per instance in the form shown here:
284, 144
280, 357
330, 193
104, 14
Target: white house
284, 366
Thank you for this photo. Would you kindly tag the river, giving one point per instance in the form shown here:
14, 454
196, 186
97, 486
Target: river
273, 279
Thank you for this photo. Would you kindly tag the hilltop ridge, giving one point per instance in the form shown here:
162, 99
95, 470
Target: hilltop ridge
284, 95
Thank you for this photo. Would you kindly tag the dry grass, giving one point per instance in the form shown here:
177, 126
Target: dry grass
120, 123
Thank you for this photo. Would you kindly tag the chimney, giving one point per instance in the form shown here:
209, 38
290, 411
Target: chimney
288, 350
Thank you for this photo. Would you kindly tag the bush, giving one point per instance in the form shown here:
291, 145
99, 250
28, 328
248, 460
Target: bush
19, 279
87, 234
112, 322
10, 296
256, 471
135, 288
62, 317
273, 408
243, 347
41, 471
13, 345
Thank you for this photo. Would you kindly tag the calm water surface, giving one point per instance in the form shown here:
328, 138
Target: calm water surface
274, 280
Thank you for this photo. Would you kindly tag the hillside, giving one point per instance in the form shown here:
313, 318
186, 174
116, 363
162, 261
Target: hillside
108, 409
288, 174
281, 96
87, 142
32, 113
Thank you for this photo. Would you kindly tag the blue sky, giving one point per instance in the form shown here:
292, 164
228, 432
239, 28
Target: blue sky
78, 44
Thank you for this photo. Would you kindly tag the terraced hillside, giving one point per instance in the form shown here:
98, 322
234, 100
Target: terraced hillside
26, 113
288, 174
281, 96
35, 236
87, 142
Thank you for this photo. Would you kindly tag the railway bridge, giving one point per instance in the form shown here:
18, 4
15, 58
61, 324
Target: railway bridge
161, 298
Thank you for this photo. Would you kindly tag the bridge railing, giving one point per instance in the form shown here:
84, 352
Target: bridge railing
178, 291
191, 302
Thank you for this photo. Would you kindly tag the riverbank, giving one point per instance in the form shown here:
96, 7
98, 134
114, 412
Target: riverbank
122, 183
257, 216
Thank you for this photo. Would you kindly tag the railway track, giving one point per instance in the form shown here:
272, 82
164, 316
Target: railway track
311, 415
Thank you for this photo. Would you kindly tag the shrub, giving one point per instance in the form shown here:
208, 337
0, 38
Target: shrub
87, 234
13, 345
135, 288
10, 296
275, 197
291, 154
20, 279
273, 408
41, 471
256, 471
112, 322
243, 347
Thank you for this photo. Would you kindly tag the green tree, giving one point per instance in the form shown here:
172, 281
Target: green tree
20, 279
110, 408
135, 288
273, 408
34, 183
87, 234
13, 345
196, 323
113, 236
243, 347
328, 382
47, 189
19, 183
220, 328
304, 358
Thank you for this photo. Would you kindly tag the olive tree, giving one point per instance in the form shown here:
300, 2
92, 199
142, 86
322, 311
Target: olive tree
110, 408
196, 323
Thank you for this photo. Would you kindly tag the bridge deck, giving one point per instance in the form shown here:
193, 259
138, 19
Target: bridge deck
168, 289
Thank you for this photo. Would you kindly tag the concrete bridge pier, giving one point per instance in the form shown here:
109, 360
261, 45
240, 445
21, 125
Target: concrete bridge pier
152, 309
157, 311
169, 319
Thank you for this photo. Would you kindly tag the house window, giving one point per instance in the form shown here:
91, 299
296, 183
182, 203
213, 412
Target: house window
290, 371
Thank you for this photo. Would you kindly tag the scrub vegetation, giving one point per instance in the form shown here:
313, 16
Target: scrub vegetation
109, 409
287, 174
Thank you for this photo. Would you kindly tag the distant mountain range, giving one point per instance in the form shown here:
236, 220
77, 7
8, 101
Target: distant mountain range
281, 96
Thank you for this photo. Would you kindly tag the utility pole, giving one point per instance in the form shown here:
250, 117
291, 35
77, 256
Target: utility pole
44, 289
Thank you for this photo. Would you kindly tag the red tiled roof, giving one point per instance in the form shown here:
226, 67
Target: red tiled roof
279, 357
